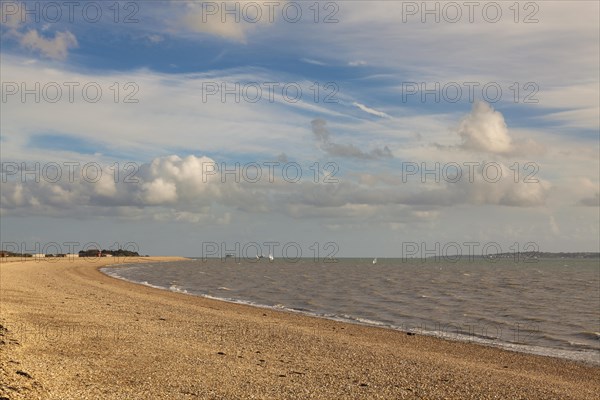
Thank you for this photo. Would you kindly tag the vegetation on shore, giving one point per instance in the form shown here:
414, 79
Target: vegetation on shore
87, 253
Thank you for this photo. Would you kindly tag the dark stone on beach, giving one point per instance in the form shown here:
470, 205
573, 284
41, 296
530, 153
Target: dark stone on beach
364, 384
23, 373
221, 353
162, 319
410, 333
282, 375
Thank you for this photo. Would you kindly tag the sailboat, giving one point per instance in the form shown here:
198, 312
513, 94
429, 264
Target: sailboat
374, 261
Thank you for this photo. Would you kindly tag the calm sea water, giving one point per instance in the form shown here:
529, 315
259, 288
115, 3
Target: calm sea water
549, 307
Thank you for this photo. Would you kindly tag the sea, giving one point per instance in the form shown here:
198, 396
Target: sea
544, 306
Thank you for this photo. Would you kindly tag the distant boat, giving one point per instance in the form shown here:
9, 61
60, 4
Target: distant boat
271, 257
374, 261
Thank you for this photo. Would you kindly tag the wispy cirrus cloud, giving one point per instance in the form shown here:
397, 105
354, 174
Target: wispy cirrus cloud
371, 111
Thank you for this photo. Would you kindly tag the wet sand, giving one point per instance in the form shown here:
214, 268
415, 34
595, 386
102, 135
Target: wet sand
70, 332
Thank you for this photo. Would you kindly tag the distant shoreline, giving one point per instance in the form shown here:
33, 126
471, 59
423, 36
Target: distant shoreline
506, 255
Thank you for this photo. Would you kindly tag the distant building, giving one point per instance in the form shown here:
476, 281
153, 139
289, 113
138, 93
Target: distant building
72, 255
38, 255
107, 255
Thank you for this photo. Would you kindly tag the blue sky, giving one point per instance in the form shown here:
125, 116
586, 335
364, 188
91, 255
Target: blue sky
355, 106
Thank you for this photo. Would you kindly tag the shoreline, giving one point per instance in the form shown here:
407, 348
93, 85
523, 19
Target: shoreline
74, 331
584, 354
561, 354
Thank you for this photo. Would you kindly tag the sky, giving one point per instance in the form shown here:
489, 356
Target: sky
331, 128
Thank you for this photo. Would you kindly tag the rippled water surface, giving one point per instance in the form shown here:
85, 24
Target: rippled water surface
547, 307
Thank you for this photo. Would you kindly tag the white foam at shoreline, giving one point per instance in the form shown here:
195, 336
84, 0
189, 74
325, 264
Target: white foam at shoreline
586, 356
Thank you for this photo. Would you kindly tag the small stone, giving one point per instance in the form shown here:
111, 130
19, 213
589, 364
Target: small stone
23, 373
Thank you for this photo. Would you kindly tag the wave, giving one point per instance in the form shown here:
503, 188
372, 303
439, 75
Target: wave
376, 311
589, 335
177, 289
